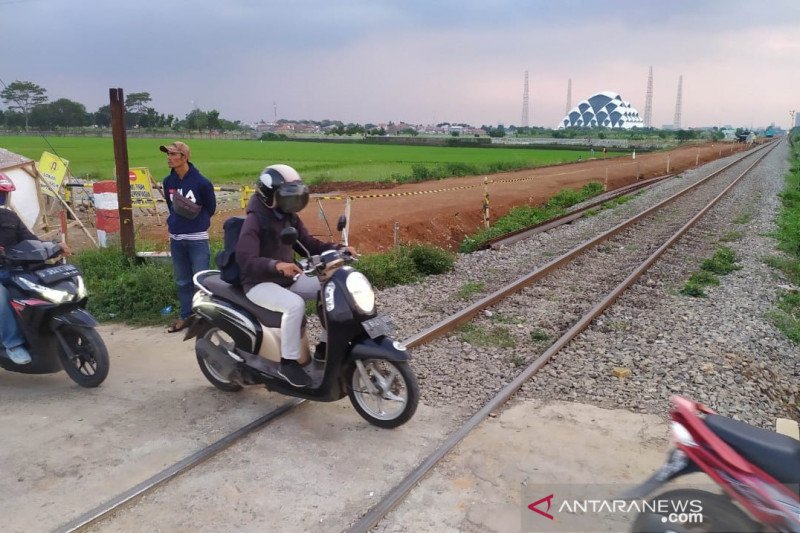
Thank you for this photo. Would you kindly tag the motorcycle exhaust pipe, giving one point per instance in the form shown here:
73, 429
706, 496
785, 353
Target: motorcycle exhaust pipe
216, 358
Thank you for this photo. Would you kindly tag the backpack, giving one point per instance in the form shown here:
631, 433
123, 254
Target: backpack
226, 259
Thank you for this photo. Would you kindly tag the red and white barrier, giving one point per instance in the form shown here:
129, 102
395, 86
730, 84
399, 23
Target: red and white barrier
107, 208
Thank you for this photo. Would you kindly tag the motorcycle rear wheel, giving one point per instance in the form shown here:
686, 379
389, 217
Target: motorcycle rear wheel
717, 514
396, 401
88, 367
221, 340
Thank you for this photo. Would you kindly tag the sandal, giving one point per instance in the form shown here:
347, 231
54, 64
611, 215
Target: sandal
178, 325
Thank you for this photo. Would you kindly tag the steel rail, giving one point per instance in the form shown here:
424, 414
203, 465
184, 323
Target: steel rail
523, 233
393, 498
451, 322
103, 510
123, 499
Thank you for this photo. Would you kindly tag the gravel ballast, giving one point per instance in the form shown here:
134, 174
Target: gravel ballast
721, 350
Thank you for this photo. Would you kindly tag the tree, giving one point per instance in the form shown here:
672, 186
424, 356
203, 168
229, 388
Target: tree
24, 96
213, 120
102, 117
137, 102
62, 113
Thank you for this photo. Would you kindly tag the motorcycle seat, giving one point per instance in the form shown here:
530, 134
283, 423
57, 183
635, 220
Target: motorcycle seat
775, 454
234, 295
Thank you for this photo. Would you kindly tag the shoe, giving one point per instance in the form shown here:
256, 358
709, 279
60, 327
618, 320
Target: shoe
178, 325
19, 354
293, 373
320, 352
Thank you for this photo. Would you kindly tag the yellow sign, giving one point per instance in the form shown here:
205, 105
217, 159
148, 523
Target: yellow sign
141, 190
53, 169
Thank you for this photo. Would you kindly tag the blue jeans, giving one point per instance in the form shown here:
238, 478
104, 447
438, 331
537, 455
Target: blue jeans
188, 258
10, 334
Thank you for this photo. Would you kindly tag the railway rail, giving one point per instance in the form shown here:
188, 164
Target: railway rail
391, 499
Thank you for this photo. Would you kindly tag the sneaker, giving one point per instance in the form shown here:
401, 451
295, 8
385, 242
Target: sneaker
19, 354
320, 351
293, 373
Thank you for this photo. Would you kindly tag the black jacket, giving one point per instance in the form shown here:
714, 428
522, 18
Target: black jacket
12, 229
259, 247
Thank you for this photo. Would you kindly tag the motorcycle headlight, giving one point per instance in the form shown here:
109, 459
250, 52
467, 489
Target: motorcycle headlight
53, 295
361, 291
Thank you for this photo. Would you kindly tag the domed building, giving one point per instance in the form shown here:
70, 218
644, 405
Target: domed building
604, 109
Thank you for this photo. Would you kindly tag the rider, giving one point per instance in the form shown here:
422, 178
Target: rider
268, 270
12, 231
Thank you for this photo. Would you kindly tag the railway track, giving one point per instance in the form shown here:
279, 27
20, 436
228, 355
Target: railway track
709, 193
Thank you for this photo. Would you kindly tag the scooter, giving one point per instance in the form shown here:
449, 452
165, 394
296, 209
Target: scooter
238, 342
757, 469
49, 298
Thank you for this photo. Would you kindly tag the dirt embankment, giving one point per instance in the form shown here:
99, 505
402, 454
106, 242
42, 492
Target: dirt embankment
443, 212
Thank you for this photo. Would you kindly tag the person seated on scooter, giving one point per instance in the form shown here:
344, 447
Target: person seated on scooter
268, 270
12, 231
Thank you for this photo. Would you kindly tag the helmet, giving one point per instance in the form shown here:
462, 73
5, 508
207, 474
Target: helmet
6, 185
281, 187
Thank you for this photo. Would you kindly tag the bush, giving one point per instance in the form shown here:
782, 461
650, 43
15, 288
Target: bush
405, 264
388, 269
430, 259
123, 291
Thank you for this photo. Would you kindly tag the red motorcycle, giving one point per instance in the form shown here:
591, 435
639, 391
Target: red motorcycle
758, 469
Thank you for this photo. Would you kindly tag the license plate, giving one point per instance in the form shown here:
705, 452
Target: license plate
57, 273
380, 325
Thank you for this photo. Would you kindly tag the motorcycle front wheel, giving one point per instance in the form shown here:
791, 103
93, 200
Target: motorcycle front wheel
88, 364
693, 510
392, 398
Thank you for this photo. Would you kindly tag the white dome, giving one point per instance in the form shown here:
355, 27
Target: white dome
605, 109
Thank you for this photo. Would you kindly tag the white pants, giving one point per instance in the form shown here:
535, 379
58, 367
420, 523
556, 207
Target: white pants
291, 302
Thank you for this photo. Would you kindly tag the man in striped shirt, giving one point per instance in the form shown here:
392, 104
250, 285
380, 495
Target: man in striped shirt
191, 202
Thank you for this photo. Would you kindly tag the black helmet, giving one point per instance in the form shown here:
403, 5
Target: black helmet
281, 187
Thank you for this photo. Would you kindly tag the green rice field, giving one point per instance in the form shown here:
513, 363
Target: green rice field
240, 161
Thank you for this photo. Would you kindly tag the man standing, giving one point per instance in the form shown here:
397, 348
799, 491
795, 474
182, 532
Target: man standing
191, 203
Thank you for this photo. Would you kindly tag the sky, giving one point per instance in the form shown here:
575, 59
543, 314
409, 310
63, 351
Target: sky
416, 61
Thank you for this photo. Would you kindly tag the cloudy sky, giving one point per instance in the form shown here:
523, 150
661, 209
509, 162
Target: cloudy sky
418, 61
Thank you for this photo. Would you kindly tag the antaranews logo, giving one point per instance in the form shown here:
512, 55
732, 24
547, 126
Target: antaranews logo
589, 508
549, 500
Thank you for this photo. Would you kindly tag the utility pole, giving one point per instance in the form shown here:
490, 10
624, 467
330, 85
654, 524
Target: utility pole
117, 104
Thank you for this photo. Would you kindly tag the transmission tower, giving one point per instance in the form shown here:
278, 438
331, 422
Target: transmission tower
676, 124
569, 96
525, 122
648, 101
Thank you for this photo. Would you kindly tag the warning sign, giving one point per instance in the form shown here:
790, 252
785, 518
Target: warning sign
141, 189
53, 169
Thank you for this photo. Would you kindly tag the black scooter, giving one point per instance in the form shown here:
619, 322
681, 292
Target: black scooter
49, 298
238, 342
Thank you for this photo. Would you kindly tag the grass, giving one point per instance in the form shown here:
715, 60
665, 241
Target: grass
469, 289
526, 216
723, 262
497, 336
239, 162
786, 315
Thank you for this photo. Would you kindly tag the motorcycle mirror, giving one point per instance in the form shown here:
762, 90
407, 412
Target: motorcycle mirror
341, 223
289, 236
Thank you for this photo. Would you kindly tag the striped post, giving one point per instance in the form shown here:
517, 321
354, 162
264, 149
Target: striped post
107, 209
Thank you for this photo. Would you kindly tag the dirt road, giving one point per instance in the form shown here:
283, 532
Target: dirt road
66, 450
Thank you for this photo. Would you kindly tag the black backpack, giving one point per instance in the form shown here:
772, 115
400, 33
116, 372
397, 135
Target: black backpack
226, 259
